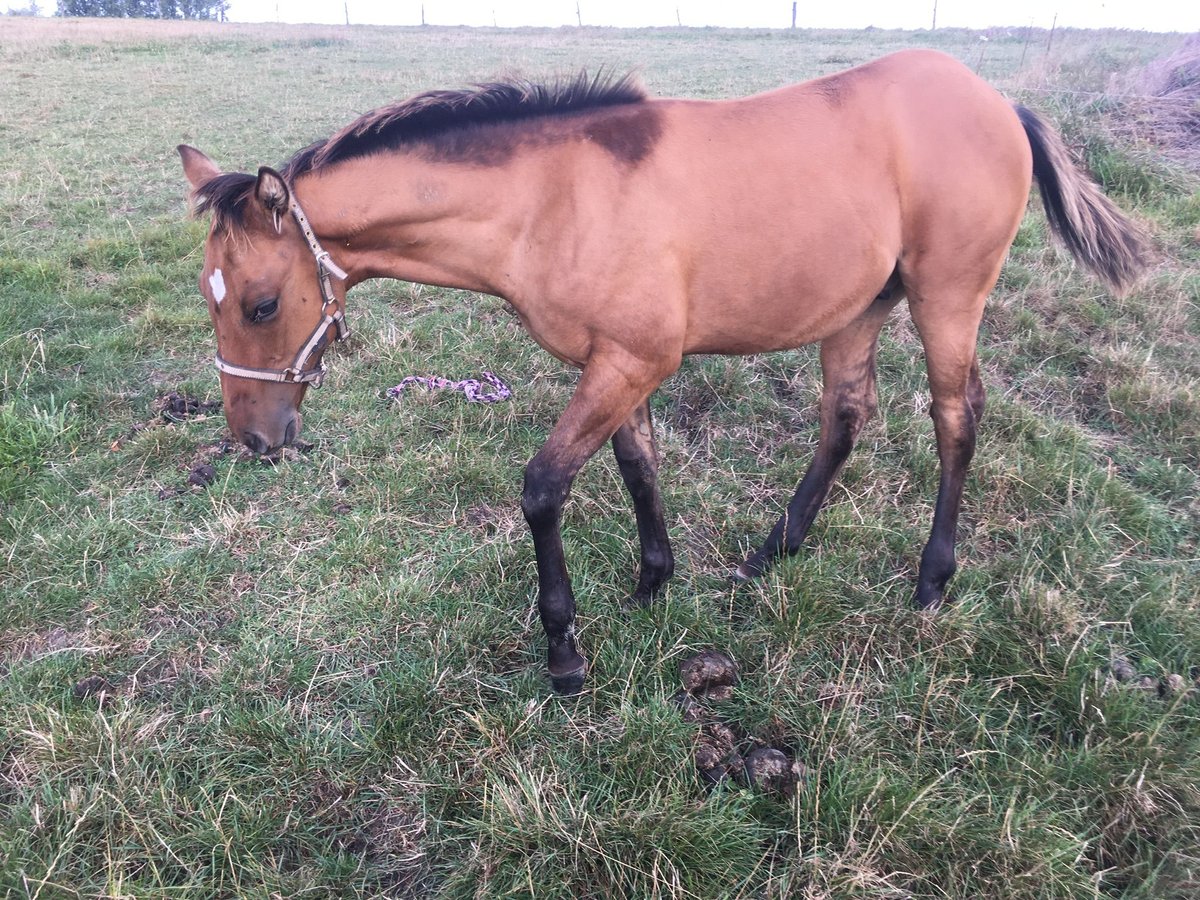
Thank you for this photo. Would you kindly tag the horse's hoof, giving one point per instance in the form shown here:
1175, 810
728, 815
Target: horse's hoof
570, 683
929, 604
741, 575
636, 601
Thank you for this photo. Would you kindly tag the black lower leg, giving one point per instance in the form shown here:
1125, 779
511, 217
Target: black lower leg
633, 446
613, 383
956, 446
542, 501
789, 532
847, 402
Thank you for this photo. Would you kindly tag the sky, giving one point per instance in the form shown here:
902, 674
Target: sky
1150, 15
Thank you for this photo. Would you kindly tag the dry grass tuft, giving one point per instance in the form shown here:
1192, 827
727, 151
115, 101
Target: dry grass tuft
1161, 103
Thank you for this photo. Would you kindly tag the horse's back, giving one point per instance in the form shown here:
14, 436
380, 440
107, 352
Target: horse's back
905, 118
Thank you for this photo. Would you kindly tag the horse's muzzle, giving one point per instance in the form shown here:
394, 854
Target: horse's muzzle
258, 441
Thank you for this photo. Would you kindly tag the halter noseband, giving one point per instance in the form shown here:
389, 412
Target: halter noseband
297, 373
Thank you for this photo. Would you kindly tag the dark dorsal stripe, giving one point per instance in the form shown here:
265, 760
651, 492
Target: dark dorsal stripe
429, 116
439, 119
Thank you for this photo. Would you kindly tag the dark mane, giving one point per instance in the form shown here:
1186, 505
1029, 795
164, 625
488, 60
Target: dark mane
453, 125
445, 120
225, 197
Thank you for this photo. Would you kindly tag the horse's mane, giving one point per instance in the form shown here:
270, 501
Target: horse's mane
439, 119
451, 124
225, 197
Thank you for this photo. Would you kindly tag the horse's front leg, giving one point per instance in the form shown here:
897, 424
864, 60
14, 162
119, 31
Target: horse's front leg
612, 386
637, 457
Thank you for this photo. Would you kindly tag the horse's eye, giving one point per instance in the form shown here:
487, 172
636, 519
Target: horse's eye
264, 309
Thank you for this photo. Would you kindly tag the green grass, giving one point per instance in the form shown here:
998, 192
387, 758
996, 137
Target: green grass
323, 678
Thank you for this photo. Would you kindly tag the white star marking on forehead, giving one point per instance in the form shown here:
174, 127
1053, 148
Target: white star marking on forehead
216, 281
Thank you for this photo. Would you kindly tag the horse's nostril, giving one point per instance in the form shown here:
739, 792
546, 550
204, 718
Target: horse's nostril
255, 441
293, 427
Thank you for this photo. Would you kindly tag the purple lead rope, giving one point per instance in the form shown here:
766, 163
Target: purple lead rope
472, 388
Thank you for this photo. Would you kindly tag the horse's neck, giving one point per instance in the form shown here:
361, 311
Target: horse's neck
402, 217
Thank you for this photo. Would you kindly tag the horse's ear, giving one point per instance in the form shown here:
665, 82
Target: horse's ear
272, 193
271, 190
198, 168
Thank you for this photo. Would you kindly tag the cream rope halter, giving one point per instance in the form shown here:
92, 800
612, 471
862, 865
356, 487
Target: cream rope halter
331, 315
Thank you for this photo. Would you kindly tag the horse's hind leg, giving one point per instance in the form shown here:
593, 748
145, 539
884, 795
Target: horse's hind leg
957, 404
633, 446
848, 400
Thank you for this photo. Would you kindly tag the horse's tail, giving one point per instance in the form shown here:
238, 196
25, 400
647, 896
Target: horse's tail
1096, 232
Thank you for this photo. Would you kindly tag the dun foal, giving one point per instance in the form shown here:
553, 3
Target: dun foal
627, 232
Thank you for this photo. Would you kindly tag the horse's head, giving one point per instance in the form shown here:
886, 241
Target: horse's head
270, 296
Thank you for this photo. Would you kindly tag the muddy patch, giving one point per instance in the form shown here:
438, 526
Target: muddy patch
200, 472
202, 475
94, 688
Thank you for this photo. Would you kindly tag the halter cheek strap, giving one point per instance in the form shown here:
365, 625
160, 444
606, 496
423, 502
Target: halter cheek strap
331, 314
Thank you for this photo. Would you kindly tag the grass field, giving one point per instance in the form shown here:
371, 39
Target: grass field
324, 677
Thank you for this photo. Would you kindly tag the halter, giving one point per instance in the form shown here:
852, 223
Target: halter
297, 373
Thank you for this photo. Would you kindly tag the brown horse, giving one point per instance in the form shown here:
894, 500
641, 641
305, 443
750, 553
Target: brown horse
627, 232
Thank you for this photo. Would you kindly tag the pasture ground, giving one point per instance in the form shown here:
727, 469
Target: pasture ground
324, 677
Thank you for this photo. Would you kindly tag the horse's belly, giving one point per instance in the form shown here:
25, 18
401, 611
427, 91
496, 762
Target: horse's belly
775, 301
